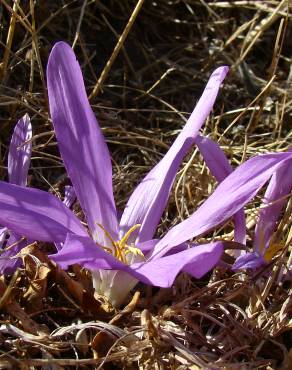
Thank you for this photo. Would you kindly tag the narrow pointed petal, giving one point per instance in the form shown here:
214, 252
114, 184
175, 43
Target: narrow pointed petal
149, 199
162, 272
228, 198
36, 214
220, 168
20, 152
279, 186
80, 140
8, 261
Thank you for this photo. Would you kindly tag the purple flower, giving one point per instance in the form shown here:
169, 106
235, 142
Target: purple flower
88, 164
18, 163
264, 248
121, 253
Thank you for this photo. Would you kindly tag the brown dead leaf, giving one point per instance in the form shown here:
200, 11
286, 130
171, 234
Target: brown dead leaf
83, 276
85, 299
37, 270
39, 267
14, 309
102, 342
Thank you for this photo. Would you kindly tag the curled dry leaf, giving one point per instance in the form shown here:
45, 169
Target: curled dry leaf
39, 269
14, 309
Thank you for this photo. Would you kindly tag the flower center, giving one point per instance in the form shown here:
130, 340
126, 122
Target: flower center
120, 249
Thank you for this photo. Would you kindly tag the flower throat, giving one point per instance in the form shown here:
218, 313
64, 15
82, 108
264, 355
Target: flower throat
120, 249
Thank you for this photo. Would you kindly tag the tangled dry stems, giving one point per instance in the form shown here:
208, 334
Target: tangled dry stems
226, 320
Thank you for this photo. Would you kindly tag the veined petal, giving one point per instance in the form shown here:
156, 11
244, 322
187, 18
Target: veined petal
227, 199
69, 196
36, 214
20, 152
220, 168
8, 263
149, 199
80, 140
279, 186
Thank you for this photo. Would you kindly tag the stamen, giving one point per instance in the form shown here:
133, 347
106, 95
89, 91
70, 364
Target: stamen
107, 234
125, 238
135, 251
120, 249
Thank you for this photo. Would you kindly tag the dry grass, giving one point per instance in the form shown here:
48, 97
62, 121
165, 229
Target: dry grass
144, 73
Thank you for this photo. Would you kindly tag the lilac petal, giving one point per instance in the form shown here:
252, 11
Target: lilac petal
80, 140
161, 272
279, 186
149, 199
248, 261
146, 247
220, 168
36, 214
3, 233
227, 199
8, 264
84, 251
20, 153
196, 261
70, 196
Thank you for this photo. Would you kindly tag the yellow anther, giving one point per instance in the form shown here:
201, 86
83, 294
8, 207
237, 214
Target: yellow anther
135, 251
125, 238
120, 248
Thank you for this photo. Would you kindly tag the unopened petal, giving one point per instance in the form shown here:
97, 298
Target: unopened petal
20, 152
